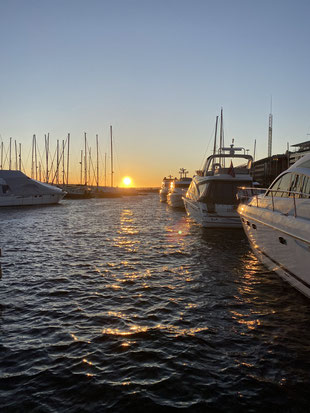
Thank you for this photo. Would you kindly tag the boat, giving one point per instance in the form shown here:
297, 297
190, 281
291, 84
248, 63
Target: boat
277, 223
211, 199
17, 189
165, 185
178, 189
77, 192
107, 192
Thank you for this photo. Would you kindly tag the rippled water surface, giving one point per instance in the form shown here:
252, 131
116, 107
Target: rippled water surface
125, 305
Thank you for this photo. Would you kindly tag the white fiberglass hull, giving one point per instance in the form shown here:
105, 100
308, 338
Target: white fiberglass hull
163, 195
14, 200
175, 200
224, 217
281, 242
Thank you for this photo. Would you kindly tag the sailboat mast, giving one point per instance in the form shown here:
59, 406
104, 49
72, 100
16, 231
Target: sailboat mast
35, 156
20, 156
97, 152
105, 169
81, 176
221, 135
63, 162
32, 151
89, 164
85, 160
215, 135
10, 158
15, 155
57, 158
111, 156
1, 155
68, 154
47, 144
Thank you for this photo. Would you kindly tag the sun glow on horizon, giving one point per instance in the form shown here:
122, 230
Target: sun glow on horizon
127, 181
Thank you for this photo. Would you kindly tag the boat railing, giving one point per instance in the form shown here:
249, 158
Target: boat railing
257, 197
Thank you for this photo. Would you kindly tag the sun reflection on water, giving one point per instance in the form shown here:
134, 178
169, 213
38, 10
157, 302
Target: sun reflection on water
165, 328
127, 231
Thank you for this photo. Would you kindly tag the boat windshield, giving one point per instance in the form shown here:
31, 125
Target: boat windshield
223, 192
182, 185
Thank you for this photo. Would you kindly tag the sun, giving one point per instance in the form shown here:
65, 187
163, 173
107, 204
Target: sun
127, 181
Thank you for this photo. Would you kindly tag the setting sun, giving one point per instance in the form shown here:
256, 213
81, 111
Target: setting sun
127, 181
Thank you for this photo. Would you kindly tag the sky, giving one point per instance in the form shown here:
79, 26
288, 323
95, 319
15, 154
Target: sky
159, 72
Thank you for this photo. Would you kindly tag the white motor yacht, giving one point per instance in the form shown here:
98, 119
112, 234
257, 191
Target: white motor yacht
16, 189
165, 185
277, 224
211, 199
178, 188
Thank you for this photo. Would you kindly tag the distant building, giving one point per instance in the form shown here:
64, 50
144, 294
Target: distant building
302, 149
267, 169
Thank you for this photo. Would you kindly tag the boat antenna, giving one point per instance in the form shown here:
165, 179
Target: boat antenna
215, 137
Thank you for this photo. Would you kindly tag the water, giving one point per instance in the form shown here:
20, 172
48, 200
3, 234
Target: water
124, 305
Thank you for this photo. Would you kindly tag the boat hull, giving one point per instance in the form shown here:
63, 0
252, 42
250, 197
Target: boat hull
8, 201
163, 195
221, 219
273, 239
175, 200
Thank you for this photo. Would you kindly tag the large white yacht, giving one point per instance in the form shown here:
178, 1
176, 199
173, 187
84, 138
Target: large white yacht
16, 189
178, 188
165, 186
277, 224
211, 199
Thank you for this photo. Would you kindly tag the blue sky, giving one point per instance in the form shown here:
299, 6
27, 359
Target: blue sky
158, 71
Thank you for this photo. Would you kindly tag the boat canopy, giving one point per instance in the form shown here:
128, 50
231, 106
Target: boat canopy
17, 183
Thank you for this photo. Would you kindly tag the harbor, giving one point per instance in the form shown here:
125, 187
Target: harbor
154, 206
163, 298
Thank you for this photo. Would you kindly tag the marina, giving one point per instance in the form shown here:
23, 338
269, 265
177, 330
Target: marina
154, 253
128, 305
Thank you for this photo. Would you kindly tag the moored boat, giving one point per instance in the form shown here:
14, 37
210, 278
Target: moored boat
277, 224
163, 192
211, 199
17, 189
178, 188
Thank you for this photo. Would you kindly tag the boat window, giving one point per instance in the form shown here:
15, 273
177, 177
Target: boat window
306, 187
203, 189
295, 183
182, 185
305, 164
4, 188
192, 192
282, 185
